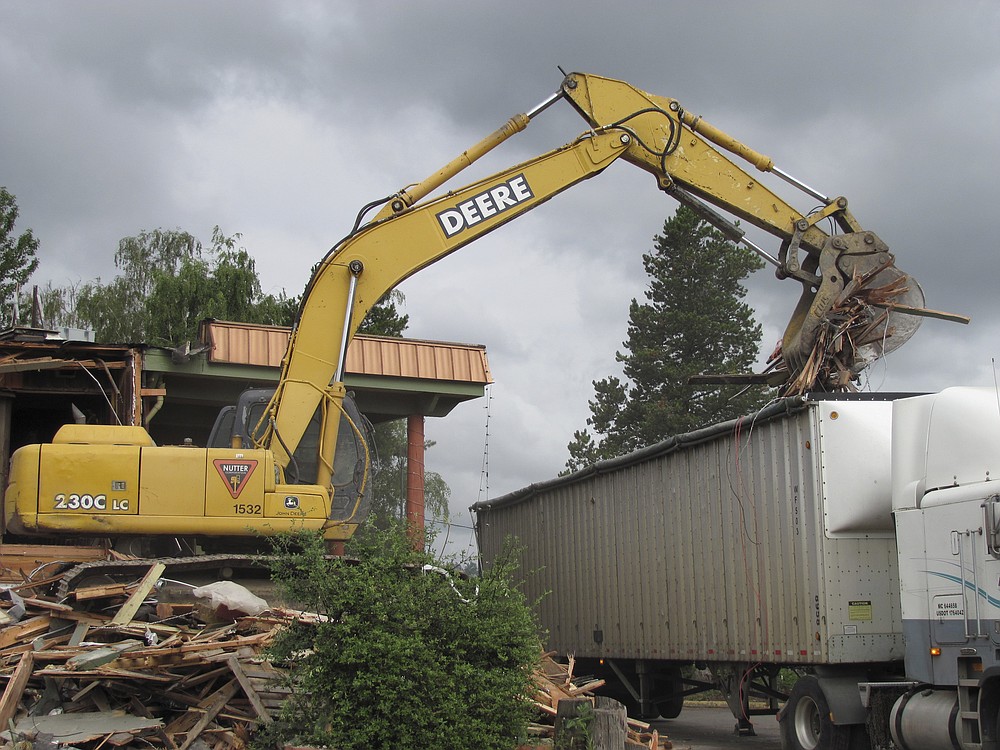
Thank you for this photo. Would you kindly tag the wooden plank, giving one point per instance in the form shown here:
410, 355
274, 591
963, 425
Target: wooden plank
199, 651
216, 702
47, 605
40, 553
196, 678
101, 591
54, 644
93, 619
96, 657
15, 689
923, 312
18, 561
169, 659
24, 630
79, 694
248, 689
128, 610
79, 633
110, 673
29, 585
263, 670
587, 687
30, 365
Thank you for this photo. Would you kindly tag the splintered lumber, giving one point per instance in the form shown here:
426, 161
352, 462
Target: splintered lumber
251, 693
587, 687
57, 609
95, 658
128, 610
24, 630
557, 693
213, 705
19, 561
191, 683
79, 633
924, 312
103, 591
860, 326
108, 673
15, 688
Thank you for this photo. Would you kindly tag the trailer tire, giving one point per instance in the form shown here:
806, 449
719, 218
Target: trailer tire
671, 707
805, 720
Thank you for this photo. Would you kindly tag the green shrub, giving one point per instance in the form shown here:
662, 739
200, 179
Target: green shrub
406, 657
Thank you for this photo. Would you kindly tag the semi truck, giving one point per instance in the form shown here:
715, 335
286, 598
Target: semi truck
851, 542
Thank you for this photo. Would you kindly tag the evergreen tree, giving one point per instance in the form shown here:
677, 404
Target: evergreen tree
694, 320
17, 255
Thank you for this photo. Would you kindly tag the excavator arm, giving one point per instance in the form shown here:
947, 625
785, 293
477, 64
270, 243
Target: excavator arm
685, 155
384, 253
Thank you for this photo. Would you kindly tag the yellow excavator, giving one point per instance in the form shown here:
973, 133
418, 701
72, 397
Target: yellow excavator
303, 462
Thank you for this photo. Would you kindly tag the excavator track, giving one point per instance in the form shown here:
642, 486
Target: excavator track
181, 575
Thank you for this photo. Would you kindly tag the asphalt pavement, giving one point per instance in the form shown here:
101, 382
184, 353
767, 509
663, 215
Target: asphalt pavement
702, 727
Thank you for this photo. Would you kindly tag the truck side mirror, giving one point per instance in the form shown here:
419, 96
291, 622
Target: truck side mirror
991, 509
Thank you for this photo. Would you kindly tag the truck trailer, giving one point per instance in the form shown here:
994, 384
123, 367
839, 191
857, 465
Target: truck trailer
853, 541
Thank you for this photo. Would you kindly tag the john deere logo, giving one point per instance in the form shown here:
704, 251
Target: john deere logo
483, 205
234, 473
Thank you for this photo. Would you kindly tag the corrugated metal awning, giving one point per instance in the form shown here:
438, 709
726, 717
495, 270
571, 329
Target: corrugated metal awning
246, 344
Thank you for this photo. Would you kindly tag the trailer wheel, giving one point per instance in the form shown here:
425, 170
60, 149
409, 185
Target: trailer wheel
805, 720
671, 707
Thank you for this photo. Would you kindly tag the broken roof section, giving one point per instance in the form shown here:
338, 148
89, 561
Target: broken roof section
46, 380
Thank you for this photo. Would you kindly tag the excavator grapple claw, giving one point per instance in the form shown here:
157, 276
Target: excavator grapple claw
854, 315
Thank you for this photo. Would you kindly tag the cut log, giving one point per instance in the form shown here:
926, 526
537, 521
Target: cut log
582, 724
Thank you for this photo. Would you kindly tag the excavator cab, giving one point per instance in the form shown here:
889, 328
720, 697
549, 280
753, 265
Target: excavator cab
241, 425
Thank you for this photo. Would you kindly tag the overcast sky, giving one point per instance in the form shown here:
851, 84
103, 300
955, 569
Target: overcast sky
280, 120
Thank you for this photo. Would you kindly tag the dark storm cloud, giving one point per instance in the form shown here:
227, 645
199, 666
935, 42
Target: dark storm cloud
280, 119
169, 56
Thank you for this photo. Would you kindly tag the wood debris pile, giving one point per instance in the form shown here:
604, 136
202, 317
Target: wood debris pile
554, 682
84, 672
123, 665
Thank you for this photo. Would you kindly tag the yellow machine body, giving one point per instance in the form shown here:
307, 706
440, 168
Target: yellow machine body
110, 481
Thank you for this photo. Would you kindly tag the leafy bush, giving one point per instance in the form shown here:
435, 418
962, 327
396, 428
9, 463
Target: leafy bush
404, 657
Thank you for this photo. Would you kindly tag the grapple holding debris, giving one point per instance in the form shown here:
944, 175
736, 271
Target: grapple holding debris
862, 307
